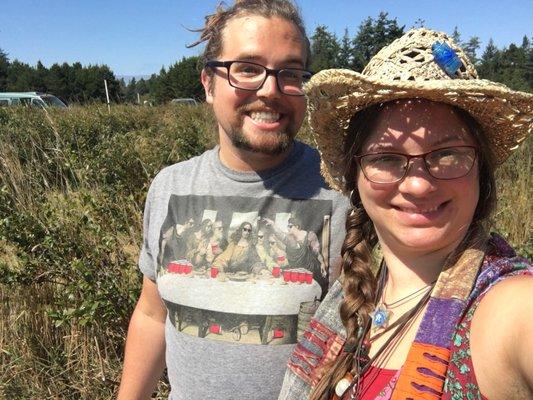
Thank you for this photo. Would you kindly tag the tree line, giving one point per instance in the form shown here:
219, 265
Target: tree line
511, 65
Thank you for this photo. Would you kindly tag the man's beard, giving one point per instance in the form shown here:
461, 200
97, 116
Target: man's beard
272, 143
272, 148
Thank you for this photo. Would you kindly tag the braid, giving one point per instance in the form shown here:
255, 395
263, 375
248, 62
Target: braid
359, 285
358, 281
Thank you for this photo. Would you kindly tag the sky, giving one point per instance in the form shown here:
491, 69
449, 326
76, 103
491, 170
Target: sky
138, 37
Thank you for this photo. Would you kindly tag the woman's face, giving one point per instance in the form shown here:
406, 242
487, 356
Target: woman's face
419, 214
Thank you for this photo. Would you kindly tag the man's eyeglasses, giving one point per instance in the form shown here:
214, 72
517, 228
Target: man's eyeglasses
247, 229
445, 163
251, 76
260, 236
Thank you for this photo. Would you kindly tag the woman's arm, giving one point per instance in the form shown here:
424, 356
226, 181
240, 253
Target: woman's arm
501, 340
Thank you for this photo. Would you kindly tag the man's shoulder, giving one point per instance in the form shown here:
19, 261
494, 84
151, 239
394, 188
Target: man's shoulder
309, 154
183, 167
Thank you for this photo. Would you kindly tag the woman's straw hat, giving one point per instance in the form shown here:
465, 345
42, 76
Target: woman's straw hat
414, 66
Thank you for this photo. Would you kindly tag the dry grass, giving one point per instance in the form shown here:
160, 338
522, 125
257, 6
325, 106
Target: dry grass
72, 189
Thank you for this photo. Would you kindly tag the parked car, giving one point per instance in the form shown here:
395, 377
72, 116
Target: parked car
184, 101
30, 99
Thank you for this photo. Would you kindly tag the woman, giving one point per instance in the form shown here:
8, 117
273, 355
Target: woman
414, 141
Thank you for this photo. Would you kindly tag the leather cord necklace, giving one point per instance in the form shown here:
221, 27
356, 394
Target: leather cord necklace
361, 348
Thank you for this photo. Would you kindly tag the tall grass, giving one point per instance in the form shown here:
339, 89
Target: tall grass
72, 188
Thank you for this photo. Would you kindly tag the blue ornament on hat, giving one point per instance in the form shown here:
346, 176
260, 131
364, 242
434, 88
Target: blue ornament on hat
446, 58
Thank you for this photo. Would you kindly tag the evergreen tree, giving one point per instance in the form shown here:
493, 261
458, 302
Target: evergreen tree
470, 48
324, 49
489, 63
456, 36
372, 36
345, 57
183, 79
4, 66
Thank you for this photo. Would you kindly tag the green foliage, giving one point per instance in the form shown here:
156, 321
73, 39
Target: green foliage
372, 36
72, 83
4, 64
353, 53
324, 49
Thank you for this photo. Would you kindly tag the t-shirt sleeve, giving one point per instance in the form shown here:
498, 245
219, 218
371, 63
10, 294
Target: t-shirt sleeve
147, 260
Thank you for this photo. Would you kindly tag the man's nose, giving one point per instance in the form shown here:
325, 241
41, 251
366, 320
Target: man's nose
270, 87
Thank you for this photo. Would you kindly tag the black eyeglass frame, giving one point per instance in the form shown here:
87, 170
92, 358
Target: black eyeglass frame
409, 157
269, 71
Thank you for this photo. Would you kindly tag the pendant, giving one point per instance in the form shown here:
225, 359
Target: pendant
343, 385
380, 317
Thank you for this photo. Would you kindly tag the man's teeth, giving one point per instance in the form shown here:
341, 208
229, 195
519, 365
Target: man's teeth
264, 116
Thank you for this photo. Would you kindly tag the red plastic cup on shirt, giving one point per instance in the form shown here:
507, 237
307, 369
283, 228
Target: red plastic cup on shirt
214, 328
286, 276
294, 276
276, 271
214, 272
278, 333
173, 266
187, 269
301, 276
309, 278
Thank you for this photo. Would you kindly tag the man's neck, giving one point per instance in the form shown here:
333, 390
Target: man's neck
244, 160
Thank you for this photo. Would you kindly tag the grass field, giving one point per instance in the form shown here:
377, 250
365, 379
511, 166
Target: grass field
72, 189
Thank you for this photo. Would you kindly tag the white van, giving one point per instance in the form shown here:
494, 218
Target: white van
30, 99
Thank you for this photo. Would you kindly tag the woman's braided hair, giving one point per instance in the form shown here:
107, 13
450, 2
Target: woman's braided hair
212, 32
359, 282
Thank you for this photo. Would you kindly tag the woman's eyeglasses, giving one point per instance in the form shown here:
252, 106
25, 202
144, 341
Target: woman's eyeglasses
445, 163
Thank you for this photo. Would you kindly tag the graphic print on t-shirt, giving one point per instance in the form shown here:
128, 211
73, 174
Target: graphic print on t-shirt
243, 269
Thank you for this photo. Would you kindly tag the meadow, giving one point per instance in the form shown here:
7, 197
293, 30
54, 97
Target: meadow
72, 191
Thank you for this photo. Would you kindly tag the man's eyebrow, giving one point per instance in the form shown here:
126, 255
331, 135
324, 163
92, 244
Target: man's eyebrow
261, 60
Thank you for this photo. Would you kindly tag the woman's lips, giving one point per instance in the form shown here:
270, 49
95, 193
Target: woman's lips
421, 214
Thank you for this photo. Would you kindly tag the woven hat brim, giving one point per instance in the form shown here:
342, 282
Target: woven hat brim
335, 95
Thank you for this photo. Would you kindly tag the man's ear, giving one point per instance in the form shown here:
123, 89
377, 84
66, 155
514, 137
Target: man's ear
207, 82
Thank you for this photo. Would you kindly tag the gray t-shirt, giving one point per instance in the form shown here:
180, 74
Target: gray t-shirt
239, 260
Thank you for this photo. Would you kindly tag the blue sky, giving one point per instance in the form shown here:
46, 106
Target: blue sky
137, 37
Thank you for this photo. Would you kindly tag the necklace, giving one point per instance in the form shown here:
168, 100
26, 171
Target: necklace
382, 311
361, 360
361, 349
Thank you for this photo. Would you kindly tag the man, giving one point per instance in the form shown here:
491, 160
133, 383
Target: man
255, 61
241, 254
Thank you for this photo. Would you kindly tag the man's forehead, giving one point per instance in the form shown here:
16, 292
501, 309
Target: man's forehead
249, 37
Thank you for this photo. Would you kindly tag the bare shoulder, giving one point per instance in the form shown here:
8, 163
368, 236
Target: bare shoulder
501, 340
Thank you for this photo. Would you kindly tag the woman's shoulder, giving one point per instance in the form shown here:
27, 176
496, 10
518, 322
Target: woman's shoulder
500, 337
500, 262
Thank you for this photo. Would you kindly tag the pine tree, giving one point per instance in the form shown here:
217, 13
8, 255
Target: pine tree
470, 48
4, 66
324, 49
345, 56
372, 36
